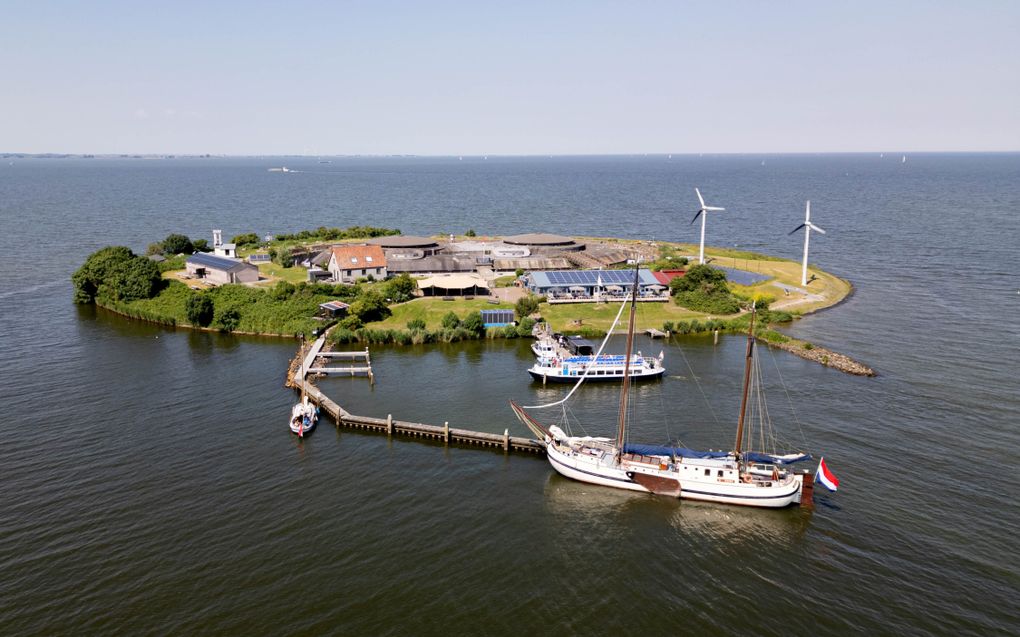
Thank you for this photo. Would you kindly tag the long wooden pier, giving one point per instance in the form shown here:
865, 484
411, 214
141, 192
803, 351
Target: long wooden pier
445, 434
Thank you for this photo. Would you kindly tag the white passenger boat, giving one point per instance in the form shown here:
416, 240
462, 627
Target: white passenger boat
605, 367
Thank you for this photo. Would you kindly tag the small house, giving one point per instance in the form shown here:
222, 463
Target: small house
350, 263
334, 309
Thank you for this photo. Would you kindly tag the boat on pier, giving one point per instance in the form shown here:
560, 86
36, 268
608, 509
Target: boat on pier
304, 414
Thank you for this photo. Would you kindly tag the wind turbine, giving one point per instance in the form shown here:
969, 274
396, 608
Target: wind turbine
703, 213
808, 227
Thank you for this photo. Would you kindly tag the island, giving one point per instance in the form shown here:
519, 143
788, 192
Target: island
376, 285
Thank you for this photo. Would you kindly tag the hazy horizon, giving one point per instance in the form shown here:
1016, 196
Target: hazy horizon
448, 79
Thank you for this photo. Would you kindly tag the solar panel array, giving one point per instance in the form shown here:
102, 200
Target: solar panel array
213, 261
590, 277
743, 277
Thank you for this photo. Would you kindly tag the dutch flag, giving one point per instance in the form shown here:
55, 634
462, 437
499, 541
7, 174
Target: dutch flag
826, 477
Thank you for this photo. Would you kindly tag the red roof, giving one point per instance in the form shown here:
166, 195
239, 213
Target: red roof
665, 276
359, 257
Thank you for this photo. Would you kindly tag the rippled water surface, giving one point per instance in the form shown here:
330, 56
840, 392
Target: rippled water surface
149, 484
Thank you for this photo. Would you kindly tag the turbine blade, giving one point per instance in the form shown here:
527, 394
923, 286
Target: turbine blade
807, 216
815, 228
696, 217
700, 198
713, 208
797, 228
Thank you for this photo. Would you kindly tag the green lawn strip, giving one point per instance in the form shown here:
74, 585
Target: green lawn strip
432, 310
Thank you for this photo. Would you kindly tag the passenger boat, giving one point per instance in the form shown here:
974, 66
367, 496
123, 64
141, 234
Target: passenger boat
741, 476
565, 359
605, 367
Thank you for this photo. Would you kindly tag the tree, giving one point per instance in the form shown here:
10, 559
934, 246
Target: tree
201, 245
370, 306
470, 233
526, 306
246, 239
400, 288
177, 244
200, 310
284, 257
154, 248
97, 269
229, 319
701, 277
136, 278
474, 323
451, 321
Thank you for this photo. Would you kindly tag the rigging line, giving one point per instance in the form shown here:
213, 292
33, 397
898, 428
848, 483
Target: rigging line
789, 399
587, 368
696, 382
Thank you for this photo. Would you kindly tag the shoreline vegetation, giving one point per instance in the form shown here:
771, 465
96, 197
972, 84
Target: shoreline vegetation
282, 304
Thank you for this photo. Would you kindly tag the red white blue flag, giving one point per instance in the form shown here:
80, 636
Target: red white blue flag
826, 477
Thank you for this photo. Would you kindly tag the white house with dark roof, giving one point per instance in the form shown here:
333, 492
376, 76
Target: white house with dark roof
350, 263
220, 270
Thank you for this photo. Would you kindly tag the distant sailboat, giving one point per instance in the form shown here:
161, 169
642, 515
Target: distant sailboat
904, 160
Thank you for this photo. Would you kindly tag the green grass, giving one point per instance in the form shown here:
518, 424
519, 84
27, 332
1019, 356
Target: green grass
561, 317
431, 310
275, 272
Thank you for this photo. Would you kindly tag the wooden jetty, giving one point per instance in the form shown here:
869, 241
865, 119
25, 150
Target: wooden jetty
354, 369
445, 434
654, 333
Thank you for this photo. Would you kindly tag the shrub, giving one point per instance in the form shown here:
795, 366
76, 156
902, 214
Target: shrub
712, 303
229, 319
350, 323
246, 239
474, 323
510, 331
808, 346
526, 306
450, 321
416, 324
200, 310
201, 245
369, 307
470, 232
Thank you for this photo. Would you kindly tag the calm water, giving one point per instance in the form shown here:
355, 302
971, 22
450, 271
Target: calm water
149, 484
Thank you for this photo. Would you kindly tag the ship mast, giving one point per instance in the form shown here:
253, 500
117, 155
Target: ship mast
622, 425
747, 379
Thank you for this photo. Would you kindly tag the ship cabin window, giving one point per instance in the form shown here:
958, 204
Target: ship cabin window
719, 475
708, 472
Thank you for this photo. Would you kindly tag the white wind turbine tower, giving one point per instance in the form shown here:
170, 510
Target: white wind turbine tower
703, 213
808, 227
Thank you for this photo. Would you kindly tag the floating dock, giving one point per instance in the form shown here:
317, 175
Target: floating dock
297, 379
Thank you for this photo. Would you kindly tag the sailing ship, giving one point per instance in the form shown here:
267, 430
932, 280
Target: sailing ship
739, 477
304, 414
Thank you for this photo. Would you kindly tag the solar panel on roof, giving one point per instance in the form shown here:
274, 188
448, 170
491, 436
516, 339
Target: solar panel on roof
213, 261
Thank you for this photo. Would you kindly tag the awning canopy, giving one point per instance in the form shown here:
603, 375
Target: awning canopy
453, 282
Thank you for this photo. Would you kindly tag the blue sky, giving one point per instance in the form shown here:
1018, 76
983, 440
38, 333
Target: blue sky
509, 77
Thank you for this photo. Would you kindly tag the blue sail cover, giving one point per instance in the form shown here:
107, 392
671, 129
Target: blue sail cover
679, 452
684, 452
